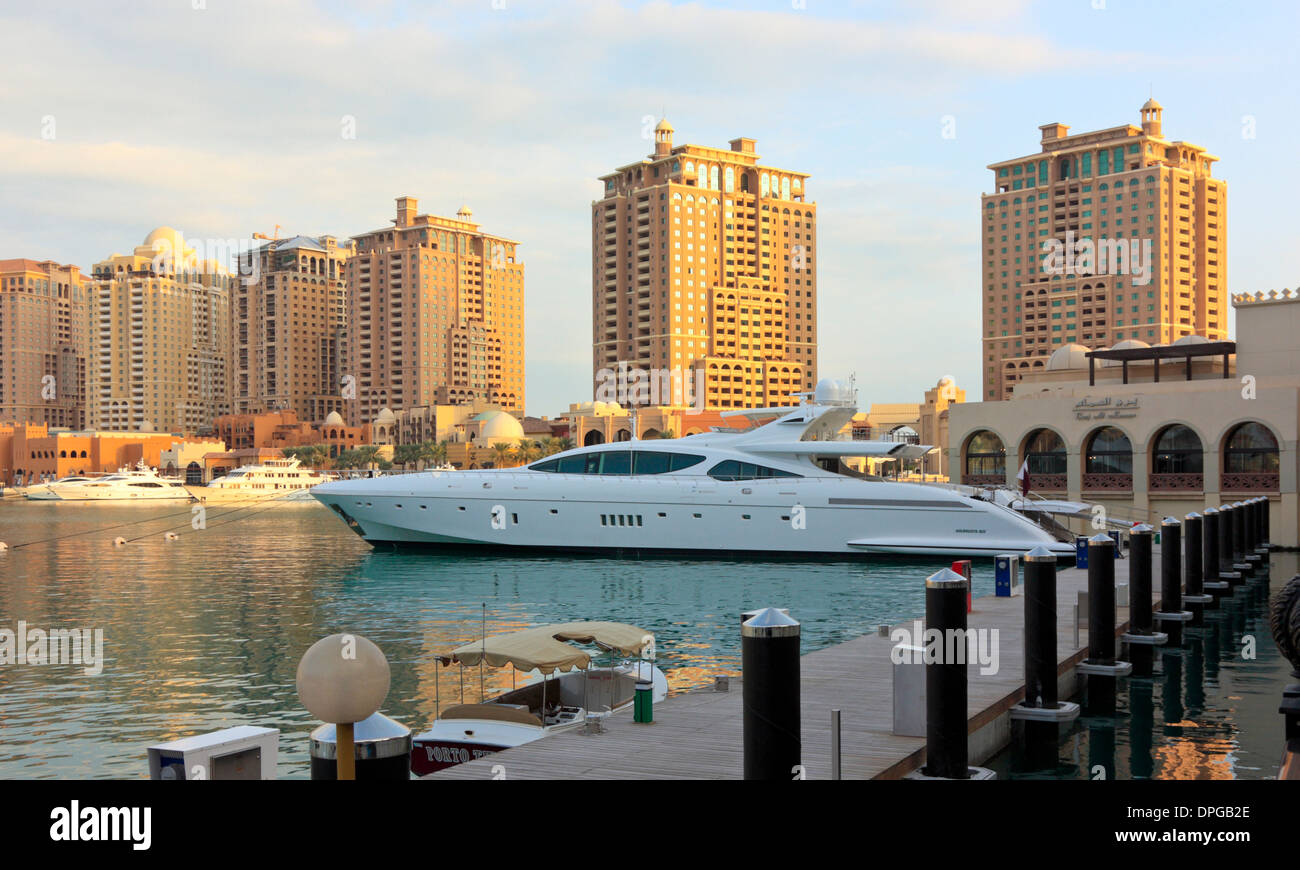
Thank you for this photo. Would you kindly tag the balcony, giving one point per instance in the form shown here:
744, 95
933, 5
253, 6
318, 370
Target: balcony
1176, 482
1105, 482
985, 479
1250, 482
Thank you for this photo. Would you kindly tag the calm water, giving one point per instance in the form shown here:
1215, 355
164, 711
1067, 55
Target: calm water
205, 632
1209, 712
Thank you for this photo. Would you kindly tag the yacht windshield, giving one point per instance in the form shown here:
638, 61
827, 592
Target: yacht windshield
619, 462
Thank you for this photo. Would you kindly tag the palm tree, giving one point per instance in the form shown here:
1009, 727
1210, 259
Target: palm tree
346, 459
367, 455
440, 451
530, 450
667, 433
502, 453
319, 454
406, 454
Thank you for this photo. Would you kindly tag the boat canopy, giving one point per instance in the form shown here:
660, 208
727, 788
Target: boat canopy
544, 648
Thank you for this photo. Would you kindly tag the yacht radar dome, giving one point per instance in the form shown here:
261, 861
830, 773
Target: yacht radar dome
833, 392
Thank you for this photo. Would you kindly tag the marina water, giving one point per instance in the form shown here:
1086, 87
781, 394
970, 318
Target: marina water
205, 631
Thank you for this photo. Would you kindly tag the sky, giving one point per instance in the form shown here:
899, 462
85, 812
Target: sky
222, 118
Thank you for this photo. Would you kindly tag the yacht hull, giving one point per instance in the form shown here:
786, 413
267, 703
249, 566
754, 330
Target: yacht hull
523, 511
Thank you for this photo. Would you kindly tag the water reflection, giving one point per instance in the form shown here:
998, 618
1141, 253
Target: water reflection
205, 632
1210, 711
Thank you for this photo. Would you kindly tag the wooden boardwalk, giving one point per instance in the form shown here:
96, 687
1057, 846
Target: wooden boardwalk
697, 735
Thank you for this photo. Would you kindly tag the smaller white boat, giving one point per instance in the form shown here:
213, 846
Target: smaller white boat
569, 692
275, 480
141, 483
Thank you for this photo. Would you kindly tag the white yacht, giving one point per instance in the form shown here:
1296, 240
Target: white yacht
141, 483
275, 480
778, 488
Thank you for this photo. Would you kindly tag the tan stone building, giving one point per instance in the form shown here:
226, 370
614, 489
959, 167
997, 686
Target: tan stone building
44, 340
290, 312
436, 315
1153, 431
1100, 237
160, 339
704, 268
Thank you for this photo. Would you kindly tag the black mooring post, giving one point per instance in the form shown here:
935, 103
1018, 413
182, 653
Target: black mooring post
1101, 599
1211, 582
1040, 714
1140, 651
1241, 541
945, 679
1226, 570
1040, 629
1101, 667
1238, 531
1194, 598
1171, 615
769, 656
1265, 530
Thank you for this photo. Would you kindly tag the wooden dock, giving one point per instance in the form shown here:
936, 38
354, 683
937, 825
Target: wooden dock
697, 735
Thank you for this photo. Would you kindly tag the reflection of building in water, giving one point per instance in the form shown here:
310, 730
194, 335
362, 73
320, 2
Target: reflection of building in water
1153, 431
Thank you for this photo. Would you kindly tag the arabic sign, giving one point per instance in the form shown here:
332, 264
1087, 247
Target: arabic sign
1106, 409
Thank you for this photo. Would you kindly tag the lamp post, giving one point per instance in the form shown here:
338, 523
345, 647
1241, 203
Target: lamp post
343, 679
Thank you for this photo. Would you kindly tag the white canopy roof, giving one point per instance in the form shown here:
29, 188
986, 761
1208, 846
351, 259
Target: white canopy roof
545, 649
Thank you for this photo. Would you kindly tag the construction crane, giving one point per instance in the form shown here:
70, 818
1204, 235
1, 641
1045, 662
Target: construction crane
274, 238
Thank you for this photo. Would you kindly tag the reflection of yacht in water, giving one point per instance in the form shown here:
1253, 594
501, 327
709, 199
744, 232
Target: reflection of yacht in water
570, 687
273, 480
141, 483
767, 488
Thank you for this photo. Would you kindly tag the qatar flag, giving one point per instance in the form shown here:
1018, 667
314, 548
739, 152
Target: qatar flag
1023, 477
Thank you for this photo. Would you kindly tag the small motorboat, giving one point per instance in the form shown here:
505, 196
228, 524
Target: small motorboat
566, 689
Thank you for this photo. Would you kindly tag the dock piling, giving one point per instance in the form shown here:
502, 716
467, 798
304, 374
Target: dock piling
1141, 639
1101, 667
1171, 614
1211, 582
769, 656
1194, 597
1226, 570
946, 751
1041, 711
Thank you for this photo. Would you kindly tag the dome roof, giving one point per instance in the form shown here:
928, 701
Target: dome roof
1126, 344
944, 381
1191, 339
663, 126
334, 419
499, 426
386, 417
1151, 104
1066, 357
147, 426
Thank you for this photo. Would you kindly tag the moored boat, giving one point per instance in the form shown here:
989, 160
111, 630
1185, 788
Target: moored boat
273, 481
570, 691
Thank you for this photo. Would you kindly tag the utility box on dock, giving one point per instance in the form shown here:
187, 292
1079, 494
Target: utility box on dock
1006, 575
909, 692
1080, 552
243, 752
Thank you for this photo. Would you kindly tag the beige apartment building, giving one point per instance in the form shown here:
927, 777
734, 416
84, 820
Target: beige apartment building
290, 313
704, 272
1118, 234
160, 339
1153, 431
44, 340
436, 316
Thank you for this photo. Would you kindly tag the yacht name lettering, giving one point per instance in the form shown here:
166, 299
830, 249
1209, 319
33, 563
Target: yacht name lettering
455, 754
